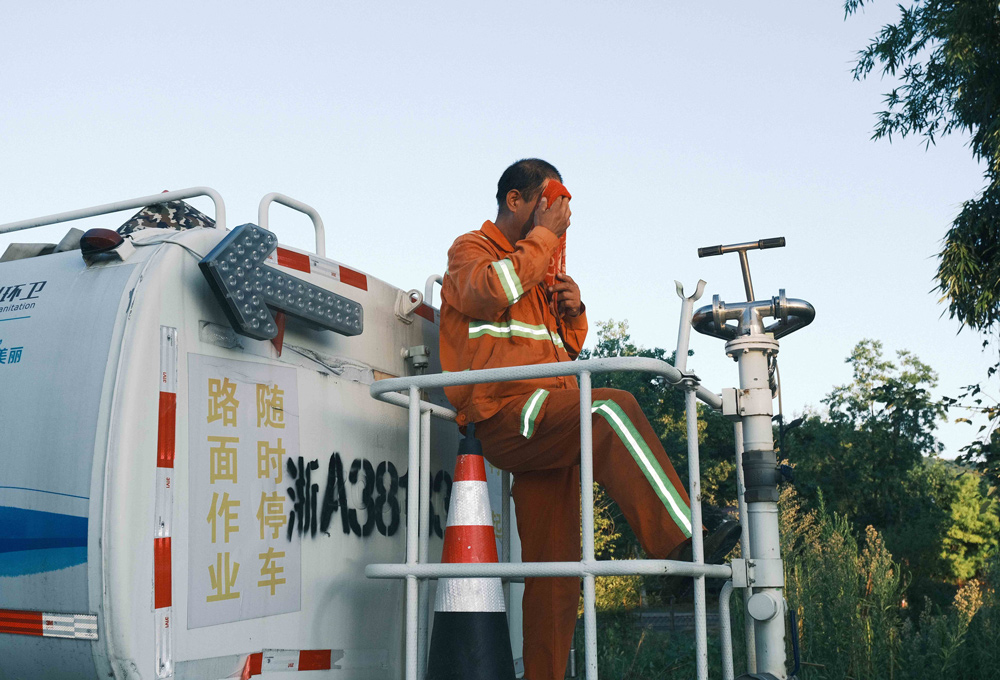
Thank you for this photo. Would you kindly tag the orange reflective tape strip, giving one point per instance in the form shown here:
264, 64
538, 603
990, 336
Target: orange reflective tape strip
166, 430
293, 260
161, 573
353, 278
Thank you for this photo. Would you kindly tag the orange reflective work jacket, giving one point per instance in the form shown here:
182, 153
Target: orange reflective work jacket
495, 311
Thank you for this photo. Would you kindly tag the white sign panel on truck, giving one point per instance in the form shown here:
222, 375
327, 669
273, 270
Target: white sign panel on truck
243, 426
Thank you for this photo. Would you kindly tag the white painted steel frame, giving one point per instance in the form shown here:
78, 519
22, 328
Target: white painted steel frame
129, 204
416, 569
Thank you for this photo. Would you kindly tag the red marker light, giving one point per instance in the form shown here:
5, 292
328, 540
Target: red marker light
99, 241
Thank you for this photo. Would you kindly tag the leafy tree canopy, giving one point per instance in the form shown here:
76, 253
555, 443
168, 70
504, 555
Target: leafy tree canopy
945, 58
945, 55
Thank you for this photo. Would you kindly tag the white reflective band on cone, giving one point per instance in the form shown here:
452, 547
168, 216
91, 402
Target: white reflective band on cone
470, 505
469, 595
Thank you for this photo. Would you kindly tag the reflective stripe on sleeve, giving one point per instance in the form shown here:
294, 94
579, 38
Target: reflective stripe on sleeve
530, 412
647, 462
509, 280
501, 329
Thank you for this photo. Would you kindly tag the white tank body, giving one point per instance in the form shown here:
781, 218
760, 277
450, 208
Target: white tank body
282, 465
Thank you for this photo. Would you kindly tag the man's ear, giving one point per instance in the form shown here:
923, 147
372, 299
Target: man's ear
513, 199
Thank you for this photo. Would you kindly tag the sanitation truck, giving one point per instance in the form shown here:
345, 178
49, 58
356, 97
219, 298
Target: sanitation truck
193, 475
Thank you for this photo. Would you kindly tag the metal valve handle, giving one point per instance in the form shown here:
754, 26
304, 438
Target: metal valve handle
742, 248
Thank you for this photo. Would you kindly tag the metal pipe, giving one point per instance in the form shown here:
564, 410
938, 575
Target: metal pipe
435, 410
547, 569
587, 515
748, 632
294, 204
429, 287
697, 545
694, 476
640, 364
129, 204
747, 283
412, 512
726, 631
505, 531
769, 634
424, 540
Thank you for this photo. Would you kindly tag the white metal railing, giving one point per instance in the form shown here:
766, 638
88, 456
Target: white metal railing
129, 204
417, 570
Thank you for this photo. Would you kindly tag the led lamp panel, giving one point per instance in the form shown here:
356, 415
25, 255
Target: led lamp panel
250, 290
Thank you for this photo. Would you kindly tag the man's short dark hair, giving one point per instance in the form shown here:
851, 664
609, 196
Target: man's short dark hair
527, 176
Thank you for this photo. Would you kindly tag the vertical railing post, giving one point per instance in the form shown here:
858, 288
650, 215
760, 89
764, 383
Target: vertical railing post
694, 475
412, 524
748, 632
697, 547
424, 540
505, 531
587, 513
726, 631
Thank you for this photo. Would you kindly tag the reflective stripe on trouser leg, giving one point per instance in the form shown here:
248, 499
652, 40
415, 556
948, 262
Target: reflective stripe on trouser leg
644, 458
530, 412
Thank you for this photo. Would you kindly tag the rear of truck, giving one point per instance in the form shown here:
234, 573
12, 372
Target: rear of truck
179, 500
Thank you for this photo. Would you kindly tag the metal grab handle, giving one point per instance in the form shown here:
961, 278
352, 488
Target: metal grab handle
294, 204
130, 204
429, 287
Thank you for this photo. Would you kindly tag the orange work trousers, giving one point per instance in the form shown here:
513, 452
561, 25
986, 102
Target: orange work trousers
537, 438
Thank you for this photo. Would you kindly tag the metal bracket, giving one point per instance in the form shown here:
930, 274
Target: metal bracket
418, 357
765, 573
689, 380
730, 403
741, 577
755, 402
407, 303
738, 403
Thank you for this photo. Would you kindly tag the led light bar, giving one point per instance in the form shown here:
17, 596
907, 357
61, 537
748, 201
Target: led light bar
249, 290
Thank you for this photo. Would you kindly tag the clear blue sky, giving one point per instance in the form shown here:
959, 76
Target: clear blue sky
675, 125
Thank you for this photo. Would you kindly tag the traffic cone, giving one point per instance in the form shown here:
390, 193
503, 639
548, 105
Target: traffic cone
470, 640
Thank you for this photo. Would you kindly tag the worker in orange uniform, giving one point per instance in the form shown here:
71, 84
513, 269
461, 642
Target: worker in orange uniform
497, 311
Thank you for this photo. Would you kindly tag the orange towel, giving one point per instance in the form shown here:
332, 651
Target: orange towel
554, 189
557, 265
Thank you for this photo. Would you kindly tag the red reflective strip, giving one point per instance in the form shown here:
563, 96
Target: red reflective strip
161, 573
167, 430
20, 622
469, 544
470, 469
353, 278
426, 312
252, 666
293, 260
314, 660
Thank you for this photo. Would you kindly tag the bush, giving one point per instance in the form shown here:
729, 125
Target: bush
854, 620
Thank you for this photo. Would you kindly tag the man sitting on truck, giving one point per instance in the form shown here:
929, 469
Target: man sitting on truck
496, 310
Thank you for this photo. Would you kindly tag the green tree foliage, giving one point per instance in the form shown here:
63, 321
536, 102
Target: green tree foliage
872, 460
878, 427
944, 56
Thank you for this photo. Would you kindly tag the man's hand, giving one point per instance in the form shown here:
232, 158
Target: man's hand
555, 218
569, 295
